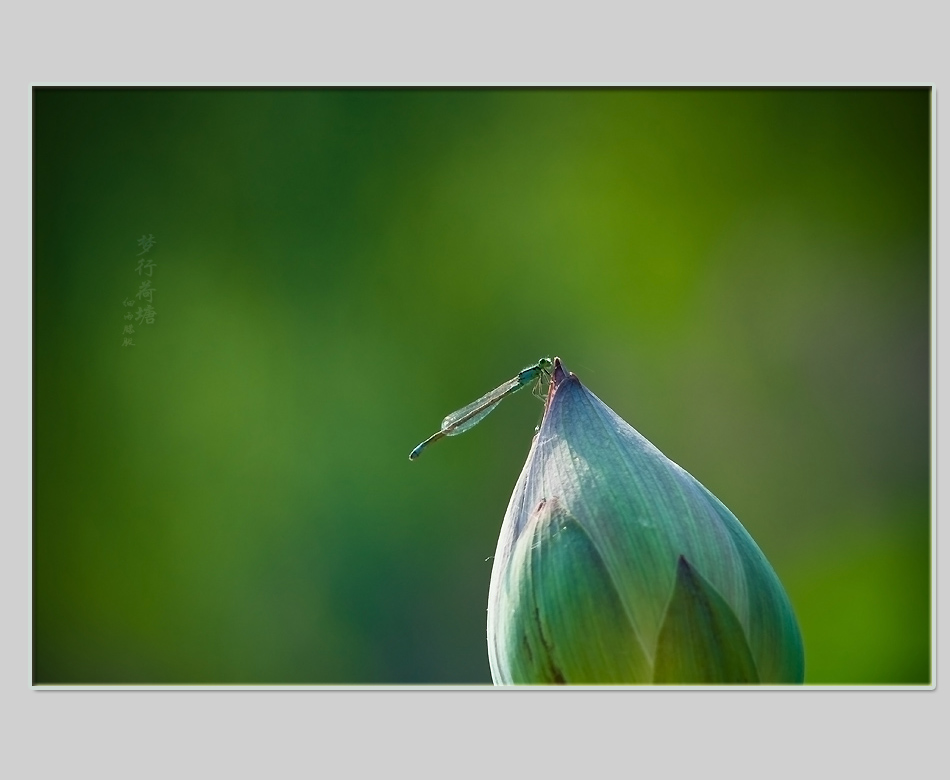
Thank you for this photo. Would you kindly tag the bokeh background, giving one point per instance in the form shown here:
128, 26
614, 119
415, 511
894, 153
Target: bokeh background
743, 275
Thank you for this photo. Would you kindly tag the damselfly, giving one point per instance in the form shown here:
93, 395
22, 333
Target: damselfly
469, 416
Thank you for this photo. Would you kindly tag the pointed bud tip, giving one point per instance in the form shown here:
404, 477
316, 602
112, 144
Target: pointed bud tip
559, 374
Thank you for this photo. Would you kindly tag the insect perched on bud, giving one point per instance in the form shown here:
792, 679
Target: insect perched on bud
616, 566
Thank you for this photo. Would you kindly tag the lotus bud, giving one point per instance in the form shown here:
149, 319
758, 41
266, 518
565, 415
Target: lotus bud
615, 566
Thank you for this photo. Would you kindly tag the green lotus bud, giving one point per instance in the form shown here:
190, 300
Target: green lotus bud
615, 566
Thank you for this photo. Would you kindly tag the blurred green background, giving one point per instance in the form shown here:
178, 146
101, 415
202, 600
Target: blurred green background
744, 276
